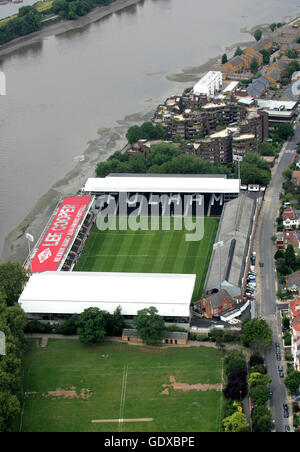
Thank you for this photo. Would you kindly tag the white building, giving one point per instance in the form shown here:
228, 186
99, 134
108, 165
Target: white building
146, 183
67, 293
209, 84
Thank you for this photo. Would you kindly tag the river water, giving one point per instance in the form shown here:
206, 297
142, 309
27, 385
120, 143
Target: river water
61, 90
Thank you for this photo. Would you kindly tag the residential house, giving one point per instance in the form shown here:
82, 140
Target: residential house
294, 315
293, 282
296, 177
235, 64
291, 219
258, 87
291, 238
215, 304
274, 76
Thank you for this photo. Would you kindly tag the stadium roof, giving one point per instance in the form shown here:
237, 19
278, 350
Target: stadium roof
73, 292
235, 231
156, 184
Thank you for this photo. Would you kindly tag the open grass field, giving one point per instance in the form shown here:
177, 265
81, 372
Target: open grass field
150, 252
127, 384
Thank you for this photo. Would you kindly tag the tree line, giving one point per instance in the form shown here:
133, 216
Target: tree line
73, 9
12, 324
29, 19
164, 158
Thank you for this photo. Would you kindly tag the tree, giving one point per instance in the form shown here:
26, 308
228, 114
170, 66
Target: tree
133, 134
266, 149
262, 420
257, 379
13, 277
118, 322
255, 359
256, 334
260, 394
285, 131
273, 26
236, 390
236, 423
290, 257
292, 381
254, 66
12, 323
266, 55
91, 325
233, 360
238, 52
150, 326
257, 34
224, 59
279, 255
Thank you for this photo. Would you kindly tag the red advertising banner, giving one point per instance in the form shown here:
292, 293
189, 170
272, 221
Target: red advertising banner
55, 243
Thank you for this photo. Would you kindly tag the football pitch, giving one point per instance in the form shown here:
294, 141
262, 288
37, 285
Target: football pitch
68, 386
150, 251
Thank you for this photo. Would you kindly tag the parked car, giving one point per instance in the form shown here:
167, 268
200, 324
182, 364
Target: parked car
287, 429
297, 399
280, 368
281, 374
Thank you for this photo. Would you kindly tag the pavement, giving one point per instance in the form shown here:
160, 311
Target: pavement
266, 306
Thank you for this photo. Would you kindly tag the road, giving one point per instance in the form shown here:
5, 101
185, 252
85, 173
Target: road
267, 287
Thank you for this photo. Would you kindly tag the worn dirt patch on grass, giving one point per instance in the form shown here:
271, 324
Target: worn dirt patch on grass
187, 387
70, 394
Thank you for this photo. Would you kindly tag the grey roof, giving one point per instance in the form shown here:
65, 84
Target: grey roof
177, 335
129, 332
236, 61
258, 86
234, 230
216, 298
275, 74
293, 280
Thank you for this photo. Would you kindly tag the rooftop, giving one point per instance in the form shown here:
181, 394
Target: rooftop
72, 292
162, 184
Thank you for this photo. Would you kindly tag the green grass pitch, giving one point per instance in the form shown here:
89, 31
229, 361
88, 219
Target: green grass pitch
125, 385
150, 252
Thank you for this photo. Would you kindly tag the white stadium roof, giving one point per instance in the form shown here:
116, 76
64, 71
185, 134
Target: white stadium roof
73, 292
157, 184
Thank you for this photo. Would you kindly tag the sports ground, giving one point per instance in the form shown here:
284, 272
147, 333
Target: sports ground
150, 251
68, 385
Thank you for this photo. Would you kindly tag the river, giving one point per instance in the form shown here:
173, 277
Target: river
64, 88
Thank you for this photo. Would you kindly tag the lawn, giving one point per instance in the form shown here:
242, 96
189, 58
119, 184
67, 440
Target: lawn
127, 384
150, 252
